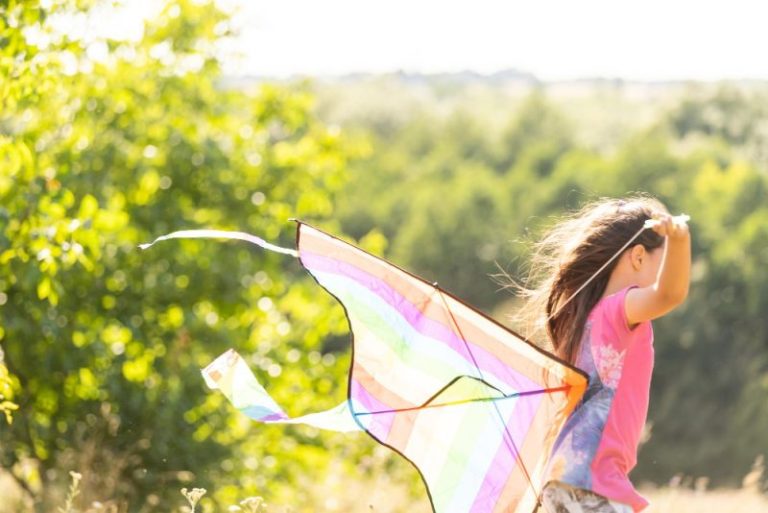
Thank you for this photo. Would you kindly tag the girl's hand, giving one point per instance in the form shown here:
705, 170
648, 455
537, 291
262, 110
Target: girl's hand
669, 226
673, 276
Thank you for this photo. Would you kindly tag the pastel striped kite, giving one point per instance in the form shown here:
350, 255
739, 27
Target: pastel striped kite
472, 405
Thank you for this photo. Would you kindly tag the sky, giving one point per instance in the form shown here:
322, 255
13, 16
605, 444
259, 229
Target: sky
647, 40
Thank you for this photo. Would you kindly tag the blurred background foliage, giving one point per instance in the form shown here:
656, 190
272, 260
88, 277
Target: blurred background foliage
103, 342
106, 144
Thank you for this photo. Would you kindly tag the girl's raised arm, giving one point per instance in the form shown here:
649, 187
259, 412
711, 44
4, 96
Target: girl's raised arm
671, 286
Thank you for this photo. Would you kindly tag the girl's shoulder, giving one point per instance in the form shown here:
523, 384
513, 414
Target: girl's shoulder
610, 314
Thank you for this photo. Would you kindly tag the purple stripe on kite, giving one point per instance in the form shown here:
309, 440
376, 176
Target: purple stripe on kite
428, 327
275, 417
518, 422
380, 424
263, 414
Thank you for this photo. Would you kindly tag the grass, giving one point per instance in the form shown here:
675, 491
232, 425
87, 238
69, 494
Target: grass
380, 493
684, 500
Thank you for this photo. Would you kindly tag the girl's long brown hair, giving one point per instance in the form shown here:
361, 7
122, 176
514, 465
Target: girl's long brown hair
568, 255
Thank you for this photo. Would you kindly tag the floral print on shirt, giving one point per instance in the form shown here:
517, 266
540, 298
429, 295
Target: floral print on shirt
608, 363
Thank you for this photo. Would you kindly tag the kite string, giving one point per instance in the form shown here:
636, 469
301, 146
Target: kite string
649, 223
589, 280
596, 273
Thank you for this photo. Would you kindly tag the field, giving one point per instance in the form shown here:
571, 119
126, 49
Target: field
382, 494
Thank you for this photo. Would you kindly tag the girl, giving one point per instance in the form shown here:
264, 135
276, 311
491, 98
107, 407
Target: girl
597, 313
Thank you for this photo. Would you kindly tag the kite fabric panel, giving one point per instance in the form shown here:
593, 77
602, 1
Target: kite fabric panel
472, 405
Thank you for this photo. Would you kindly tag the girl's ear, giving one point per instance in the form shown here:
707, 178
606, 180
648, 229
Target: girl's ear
636, 256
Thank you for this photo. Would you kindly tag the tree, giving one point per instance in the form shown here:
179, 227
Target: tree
106, 341
449, 208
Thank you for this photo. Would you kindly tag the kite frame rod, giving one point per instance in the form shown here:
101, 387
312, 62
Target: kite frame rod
427, 405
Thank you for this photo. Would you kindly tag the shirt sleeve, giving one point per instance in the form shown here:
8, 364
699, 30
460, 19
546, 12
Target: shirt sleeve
615, 315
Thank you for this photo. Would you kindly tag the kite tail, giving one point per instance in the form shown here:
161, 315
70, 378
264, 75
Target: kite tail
222, 234
230, 374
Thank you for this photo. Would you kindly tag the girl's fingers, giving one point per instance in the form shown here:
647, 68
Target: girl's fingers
663, 224
674, 227
668, 225
679, 229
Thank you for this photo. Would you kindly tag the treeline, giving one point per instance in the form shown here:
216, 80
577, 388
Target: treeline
461, 205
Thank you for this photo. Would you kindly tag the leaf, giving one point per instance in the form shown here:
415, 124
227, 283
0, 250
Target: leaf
88, 207
44, 288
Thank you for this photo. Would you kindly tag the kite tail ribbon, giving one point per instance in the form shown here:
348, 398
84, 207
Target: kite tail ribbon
222, 234
230, 374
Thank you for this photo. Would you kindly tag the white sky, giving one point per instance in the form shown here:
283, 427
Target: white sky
553, 39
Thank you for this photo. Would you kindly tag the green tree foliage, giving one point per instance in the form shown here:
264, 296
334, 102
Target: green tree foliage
105, 342
453, 202
25, 75
732, 115
711, 393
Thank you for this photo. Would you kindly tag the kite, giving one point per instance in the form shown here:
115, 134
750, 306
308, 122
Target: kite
472, 405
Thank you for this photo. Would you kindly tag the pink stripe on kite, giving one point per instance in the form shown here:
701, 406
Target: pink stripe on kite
379, 425
517, 423
427, 326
